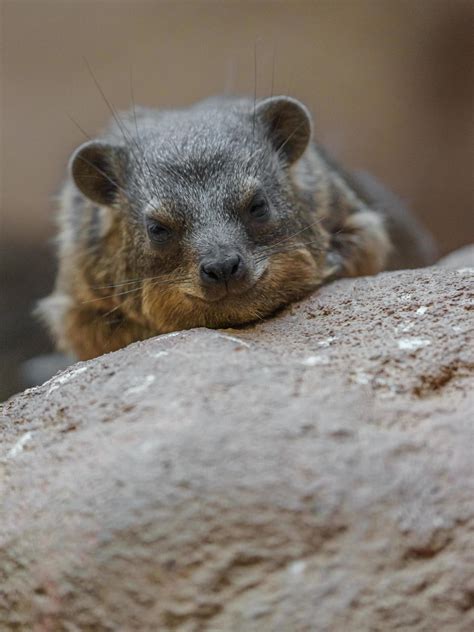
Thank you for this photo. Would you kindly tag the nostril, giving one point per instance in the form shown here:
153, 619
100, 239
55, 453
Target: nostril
209, 273
235, 266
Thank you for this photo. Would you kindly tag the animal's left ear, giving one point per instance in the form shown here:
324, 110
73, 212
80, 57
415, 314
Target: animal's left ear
288, 124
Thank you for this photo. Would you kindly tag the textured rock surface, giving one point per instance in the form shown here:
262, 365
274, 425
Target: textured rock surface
312, 473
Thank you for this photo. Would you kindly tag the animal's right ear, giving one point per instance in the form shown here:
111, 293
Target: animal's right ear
95, 168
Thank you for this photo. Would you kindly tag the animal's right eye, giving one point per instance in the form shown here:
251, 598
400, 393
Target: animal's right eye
157, 233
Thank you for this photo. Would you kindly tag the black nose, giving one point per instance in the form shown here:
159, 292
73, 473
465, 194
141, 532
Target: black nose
222, 270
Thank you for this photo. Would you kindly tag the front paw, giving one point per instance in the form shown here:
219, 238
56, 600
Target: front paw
334, 267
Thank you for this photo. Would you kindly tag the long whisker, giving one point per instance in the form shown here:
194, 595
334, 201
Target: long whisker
139, 280
158, 283
280, 148
184, 281
106, 100
112, 285
138, 142
132, 98
103, 298
111, 311
134, 112
289, 248
254, 89
83, 131
79, 127
115, 115
298, 232
105, 175
273, 70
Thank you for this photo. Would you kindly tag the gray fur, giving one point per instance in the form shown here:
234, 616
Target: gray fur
196, 171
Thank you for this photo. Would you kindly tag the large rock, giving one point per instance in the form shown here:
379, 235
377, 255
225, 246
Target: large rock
312, 473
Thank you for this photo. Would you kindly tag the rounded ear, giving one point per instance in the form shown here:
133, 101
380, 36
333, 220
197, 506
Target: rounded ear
95, 169
288, 124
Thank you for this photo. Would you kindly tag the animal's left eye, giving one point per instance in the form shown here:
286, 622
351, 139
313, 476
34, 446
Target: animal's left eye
259, 209
157, 233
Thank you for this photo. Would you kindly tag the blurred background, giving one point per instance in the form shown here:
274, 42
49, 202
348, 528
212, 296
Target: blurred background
390, 84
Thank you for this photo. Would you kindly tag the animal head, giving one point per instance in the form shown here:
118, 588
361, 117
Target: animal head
205, 202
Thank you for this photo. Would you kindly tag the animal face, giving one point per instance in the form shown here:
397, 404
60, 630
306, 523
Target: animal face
209, 217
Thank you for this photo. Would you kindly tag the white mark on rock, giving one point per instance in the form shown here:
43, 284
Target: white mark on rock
407, 327
327, 341
439, 522
362, 378
160, 354
63, 378
457, 329
297, 567
406, 297
421, 310
170, 335
149, 445
19, 445
315, 360
465, 270
411, 344
139, 388
234, 339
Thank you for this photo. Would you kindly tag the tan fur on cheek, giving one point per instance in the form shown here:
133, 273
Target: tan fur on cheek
291, 276
168, 309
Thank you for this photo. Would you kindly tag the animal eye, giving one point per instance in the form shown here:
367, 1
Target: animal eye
259, 209
157, 233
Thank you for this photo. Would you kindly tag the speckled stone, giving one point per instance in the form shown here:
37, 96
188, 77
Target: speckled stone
314, 473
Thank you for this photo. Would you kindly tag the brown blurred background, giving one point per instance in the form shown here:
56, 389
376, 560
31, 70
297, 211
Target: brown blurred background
390, 84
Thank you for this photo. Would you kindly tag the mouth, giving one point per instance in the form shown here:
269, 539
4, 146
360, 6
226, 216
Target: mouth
225, 295
203, 299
